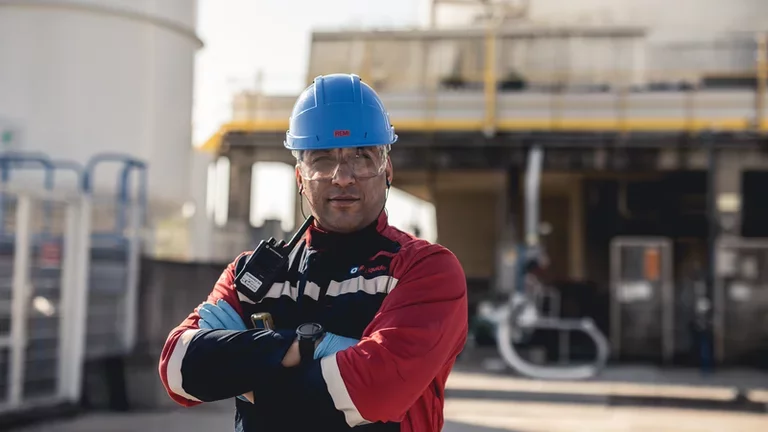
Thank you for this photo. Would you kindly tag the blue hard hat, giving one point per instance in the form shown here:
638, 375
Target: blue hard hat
338, 111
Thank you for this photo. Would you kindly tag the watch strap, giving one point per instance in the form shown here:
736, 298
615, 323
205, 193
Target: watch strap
306, 349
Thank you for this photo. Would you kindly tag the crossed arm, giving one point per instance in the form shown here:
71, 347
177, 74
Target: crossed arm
421, 327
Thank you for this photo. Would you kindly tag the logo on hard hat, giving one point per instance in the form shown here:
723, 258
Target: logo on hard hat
341, 133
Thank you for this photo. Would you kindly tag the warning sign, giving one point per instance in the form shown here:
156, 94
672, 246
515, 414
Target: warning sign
652, 264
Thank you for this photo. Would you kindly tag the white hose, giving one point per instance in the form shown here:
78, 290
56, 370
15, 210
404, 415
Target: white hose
505, 331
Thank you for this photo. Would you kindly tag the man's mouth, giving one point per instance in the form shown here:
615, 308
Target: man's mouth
343, 198
343, 201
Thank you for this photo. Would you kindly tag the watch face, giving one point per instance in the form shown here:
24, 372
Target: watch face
309, 330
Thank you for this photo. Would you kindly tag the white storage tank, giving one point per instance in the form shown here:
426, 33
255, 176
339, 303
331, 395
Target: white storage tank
81, 77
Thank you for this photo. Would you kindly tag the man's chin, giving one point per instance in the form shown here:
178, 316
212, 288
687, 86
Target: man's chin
343, 223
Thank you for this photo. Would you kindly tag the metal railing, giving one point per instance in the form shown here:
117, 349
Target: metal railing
45, 303
488, 90
72, 289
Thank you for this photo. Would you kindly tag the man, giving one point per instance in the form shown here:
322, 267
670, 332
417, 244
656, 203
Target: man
401, 301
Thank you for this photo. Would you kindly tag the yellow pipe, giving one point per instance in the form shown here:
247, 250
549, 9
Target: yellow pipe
615, 124
490, 79
366, 66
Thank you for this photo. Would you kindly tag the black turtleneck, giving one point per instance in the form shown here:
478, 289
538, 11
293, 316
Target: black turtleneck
363, 242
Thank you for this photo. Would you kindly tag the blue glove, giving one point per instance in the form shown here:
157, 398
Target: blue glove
332, 343
220, 316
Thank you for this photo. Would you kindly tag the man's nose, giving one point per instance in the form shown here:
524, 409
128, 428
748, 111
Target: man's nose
344, 176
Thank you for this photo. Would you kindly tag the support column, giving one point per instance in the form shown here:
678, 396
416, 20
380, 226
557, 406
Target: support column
240, 187
508, 216
727, 189
576, 230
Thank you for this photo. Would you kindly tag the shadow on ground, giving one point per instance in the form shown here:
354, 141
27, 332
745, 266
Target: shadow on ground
453, 426
737, 404
177, 420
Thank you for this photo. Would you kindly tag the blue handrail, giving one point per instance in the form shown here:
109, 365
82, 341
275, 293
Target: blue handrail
130, 164
14, 159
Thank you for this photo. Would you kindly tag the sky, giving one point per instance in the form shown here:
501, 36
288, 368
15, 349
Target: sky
243, 37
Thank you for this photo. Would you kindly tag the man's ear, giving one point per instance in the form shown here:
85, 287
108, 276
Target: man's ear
299, 181
389, 172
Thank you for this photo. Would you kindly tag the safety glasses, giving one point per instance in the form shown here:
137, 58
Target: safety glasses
362, 162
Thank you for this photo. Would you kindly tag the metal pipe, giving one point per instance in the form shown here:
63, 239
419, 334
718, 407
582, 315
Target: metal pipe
509, 318
478, 31
532, 183
506, 322
490, 79
21, 293
712, 235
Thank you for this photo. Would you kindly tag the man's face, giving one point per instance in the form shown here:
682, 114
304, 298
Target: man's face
346, 188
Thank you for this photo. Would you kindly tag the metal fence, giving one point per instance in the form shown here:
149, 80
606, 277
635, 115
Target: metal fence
43, 292
69, 268
112, 283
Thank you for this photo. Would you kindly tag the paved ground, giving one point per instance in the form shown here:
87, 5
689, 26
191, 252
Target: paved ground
486, 360
479, 400
463, 416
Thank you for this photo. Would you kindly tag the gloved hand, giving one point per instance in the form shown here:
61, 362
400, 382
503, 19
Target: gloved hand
220, 316
333, 343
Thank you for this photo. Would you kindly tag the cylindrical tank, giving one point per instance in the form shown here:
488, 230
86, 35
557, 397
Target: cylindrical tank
82, 77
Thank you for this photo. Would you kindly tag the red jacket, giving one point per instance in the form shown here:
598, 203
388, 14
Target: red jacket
404, 298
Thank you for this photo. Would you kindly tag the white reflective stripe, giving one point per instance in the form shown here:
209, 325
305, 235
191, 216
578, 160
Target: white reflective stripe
338, 391
312, 290
280, 289
379, 285
173, 371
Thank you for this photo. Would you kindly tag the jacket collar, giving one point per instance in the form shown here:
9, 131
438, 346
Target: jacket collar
320, 239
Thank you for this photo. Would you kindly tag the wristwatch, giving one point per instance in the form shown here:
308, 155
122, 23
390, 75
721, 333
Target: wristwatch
307, 334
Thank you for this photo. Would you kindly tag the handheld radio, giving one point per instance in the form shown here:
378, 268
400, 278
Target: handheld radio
261, 268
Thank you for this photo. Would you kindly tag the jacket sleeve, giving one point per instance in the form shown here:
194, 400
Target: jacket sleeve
420, 328
199, 365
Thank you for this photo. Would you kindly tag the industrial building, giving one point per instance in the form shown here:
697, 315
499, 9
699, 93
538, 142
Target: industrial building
653, 127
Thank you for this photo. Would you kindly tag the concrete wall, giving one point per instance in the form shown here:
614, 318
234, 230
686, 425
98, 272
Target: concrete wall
168, 292
467, 207
466, 225
562, 206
